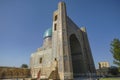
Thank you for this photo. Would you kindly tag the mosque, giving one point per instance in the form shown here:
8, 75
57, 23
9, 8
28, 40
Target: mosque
66, 53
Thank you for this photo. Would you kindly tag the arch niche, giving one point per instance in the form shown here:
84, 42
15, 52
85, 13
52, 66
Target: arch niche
76, 56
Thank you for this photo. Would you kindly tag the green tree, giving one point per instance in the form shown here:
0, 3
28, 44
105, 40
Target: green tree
113, 70
24, 66
115, 50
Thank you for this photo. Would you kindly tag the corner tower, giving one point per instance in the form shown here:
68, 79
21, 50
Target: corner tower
60, 40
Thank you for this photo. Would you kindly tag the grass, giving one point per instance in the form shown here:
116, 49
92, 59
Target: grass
110, 79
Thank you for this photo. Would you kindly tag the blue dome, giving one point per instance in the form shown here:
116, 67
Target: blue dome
48, 33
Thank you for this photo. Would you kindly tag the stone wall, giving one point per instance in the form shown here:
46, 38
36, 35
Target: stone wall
13, 72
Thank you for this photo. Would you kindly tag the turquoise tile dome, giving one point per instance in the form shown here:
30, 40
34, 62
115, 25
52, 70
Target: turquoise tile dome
48, 33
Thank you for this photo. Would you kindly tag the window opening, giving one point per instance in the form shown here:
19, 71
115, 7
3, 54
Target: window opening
55, 27
40, 60
55, 18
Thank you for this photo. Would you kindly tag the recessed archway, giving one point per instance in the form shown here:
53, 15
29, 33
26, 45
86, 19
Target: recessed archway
76, 56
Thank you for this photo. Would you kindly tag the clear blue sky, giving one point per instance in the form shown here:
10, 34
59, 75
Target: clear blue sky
23, 23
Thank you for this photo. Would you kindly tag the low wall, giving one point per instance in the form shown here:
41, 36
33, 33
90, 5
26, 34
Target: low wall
13, 72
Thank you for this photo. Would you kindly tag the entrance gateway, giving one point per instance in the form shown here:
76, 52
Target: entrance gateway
66, 53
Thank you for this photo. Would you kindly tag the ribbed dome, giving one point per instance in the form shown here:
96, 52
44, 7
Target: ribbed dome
48, 33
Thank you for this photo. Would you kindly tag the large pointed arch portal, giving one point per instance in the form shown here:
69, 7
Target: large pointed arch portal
76, 56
